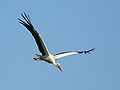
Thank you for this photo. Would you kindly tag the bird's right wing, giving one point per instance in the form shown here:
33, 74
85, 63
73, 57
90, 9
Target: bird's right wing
71, 53
41, 45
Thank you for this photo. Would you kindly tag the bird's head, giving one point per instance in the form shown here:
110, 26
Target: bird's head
58, 65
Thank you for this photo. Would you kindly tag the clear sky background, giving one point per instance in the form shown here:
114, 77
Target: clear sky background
65, 25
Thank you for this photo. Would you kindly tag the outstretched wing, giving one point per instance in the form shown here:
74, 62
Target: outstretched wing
71, 53
41, 45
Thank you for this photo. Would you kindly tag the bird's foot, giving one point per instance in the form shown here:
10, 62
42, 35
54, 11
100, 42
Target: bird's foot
36, 58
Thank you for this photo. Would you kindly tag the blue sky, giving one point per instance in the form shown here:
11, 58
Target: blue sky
65, 25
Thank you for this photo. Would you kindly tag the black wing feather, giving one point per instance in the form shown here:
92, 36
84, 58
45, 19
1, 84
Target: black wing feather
35, 34
86, 51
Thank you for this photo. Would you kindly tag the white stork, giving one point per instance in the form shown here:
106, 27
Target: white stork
46, 56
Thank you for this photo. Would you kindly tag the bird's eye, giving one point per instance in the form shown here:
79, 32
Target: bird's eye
58, 64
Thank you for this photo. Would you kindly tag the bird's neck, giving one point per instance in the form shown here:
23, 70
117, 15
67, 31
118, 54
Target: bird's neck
54, 63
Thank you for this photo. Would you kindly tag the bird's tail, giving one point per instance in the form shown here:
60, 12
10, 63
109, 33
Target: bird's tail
38, 55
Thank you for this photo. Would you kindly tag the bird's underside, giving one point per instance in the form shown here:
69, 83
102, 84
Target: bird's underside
46, 56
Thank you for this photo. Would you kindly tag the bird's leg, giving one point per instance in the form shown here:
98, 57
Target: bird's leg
36, 58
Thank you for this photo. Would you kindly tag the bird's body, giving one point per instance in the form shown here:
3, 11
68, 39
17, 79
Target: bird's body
46, 56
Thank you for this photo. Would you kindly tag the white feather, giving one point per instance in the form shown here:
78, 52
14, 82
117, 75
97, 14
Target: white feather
65, 54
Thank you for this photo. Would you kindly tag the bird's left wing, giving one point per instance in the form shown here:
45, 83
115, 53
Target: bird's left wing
71, 53
41, 45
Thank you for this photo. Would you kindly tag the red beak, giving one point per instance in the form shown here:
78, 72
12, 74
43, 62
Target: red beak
60, 68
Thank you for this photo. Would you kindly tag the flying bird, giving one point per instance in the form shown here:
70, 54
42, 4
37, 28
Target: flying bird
46, 56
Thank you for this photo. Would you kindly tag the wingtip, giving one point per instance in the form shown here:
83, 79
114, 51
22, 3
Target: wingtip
92, 49
19, 19
89, 51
